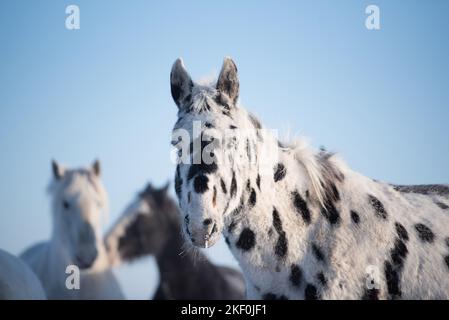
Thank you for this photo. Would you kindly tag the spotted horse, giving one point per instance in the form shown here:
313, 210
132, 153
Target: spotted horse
303, 226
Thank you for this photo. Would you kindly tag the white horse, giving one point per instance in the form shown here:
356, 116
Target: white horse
78, 200
17, 280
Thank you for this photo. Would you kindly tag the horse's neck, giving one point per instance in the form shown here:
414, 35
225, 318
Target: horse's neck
171, 256
174, 261
273, 181
59, 257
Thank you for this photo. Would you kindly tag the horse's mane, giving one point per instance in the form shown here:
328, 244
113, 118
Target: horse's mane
324, 169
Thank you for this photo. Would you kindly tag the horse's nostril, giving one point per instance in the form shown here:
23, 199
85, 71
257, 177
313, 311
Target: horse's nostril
214, 229
207, 222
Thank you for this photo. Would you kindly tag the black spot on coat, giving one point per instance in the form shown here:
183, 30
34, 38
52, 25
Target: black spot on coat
272, 296
378, 207
401, 231
193, 170
393, 280
355, 217
258, 181
399, 253
281, 246
233, 185
223, 186
247, 240
208, 168
310, 292
393, 268
279, 172
442, 205
248, 185
371, 294
319, 255
321, 278
248, 150
331, 213
295, 276
269, 296
424, 233
252, 198
301, 207
277, 223
200, 184
201, 169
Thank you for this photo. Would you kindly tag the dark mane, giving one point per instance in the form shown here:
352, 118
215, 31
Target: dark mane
426, 189
158, 195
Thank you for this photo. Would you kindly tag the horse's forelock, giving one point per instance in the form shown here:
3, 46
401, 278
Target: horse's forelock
82, 175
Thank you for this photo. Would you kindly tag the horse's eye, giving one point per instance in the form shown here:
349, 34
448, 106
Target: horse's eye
66, 205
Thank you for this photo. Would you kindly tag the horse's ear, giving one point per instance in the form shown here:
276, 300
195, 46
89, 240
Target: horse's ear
228, 81
58, 170
96, 167
180, 82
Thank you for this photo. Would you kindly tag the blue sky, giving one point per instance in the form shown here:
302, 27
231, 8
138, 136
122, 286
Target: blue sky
379, 98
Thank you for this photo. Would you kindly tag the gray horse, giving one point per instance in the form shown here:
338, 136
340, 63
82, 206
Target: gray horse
150, 226
17, 280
